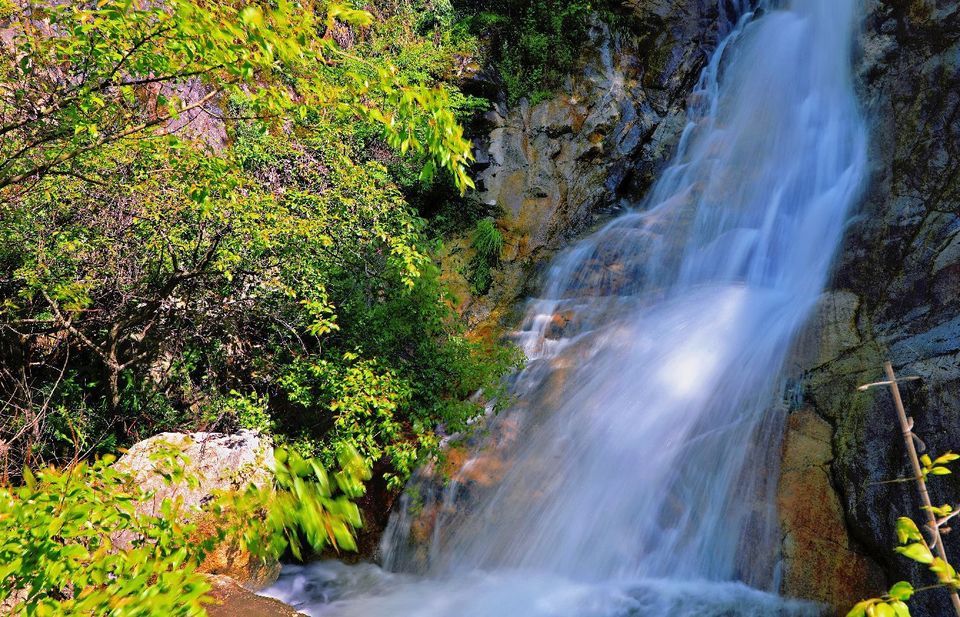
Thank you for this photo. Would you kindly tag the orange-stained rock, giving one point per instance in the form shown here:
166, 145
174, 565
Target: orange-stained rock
486, 469
453, 461
821, 562
421, 528
229, 559
561, 324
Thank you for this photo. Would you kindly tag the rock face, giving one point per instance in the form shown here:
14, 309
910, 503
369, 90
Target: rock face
821, 561
220, 463
232, 600
895, 295
555, 168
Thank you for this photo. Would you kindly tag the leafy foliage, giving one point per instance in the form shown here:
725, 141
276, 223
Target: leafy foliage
63, 536
534, 43
304, 509
78, 541
891, 605
203, 227
212, 217
85, 75
487, 243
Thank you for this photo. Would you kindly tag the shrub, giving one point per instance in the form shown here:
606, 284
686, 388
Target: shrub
149, 278
76, 541
534, 44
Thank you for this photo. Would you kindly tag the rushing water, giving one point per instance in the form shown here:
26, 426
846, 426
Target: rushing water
641, 456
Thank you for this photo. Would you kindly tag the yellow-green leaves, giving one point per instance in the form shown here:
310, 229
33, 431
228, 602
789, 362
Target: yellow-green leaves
914, 546
940, 511
81, 530
304, 509
274, 229
418, 119
937, 467
351, 17
251, 16
891, 605
945, 572
78, 542
901, 591
907, 531
115, 53
916, 551
944, 459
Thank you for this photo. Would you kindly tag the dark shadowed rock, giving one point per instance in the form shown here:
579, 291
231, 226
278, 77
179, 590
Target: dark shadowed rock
896, 289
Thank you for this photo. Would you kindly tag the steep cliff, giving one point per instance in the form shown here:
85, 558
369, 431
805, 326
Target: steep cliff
895, 293
554, 169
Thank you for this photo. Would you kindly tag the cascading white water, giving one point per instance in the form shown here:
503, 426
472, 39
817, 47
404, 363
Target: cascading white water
642, 463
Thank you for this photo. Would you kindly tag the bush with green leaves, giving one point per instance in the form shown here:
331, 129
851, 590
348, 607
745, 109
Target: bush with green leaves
534, 44
89, 74
154, 278
77, 541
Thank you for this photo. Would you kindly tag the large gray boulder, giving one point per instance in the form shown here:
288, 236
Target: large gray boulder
219, 463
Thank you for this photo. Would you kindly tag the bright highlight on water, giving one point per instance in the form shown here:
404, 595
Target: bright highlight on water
642, 449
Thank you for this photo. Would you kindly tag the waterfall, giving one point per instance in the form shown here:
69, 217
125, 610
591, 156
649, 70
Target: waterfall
642, 448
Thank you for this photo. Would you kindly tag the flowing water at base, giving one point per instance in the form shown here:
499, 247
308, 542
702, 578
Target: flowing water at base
333, 588
639, 462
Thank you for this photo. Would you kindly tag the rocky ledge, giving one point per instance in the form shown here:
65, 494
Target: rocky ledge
554, 169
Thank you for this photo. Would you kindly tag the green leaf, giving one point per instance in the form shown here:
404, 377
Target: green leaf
907, 530
917, 551
349, 16
251, 16
860, 609
901, 591
940, 511
949, 457
884, 610
29, 479
944, 571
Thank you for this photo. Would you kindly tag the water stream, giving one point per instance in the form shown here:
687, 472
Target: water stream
641, 455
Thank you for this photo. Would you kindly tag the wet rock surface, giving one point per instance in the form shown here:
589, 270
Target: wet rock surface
232, 600
553, 171
895, 295
820, 560
558, 168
